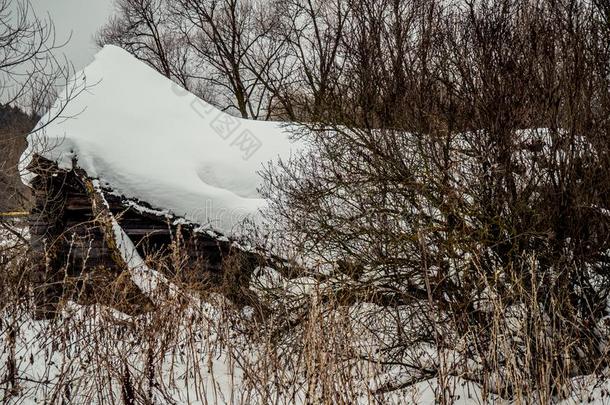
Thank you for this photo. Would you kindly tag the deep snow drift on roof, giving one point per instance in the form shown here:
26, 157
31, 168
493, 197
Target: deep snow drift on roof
146, 138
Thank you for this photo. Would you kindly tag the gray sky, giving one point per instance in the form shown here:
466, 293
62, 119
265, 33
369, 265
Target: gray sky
75, 20
82, 18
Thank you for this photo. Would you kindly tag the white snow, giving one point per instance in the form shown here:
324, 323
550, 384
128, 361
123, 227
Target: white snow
147, 138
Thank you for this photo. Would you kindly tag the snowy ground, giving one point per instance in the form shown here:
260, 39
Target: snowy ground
53, 370
186, 352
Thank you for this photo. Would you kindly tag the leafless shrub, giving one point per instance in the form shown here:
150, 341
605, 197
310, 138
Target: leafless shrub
472, 177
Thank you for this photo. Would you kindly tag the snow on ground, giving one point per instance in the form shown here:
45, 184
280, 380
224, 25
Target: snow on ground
147, 138
68, 362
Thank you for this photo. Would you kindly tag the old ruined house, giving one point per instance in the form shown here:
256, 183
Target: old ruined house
129, 164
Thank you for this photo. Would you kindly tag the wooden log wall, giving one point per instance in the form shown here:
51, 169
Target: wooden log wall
68, 243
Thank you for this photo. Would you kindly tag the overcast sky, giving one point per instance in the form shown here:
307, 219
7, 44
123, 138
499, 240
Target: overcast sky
82, 19
75, 21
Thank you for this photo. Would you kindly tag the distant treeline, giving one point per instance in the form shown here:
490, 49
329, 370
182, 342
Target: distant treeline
14, 126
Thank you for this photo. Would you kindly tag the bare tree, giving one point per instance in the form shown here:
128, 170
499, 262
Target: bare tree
27, 45
30, 71
29, 74
142, 27
314, 31
220, 34
220, 50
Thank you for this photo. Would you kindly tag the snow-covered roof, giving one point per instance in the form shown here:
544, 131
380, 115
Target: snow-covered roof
146, 138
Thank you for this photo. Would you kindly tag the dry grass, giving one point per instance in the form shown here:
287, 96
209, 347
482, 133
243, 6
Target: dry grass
190, 349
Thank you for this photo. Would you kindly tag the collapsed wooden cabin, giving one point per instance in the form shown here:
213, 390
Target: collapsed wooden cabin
126, 154
77, 256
